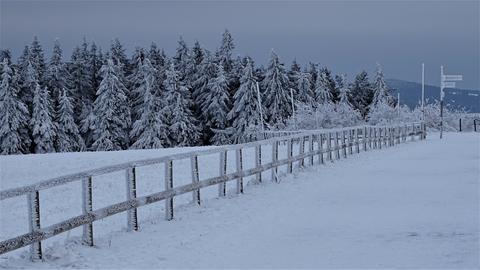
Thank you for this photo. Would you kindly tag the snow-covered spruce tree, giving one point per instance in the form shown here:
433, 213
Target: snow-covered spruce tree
68, 138
13, 115
304, 88
57, 75
151, 129
42, 125
119, 58
37, 59
293, 76
345, 114
245, 114
380, 89
277, 93
81, 88
137, 83
224, 53
183, 130
112, 117
361, 93
207, 72
322, 93
216, 104
184, 64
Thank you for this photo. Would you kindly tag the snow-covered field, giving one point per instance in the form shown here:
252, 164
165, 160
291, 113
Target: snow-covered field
415, 205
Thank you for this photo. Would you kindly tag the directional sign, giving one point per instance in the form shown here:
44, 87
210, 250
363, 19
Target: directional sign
448, 84
452, 77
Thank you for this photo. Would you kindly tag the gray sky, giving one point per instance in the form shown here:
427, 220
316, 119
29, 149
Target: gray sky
346, 36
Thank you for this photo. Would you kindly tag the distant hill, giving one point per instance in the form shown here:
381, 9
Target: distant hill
411, 92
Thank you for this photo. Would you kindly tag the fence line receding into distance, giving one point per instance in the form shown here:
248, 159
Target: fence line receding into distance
324, 144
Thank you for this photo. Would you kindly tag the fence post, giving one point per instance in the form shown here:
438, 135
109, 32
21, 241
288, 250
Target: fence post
301, 162
310, 148
337, 145
258, 162
344, 144
274, 161
357, 140
222, 187
460, 124
320, 149
350, 141
413, 132
87, 207
169, 186
329, 147
239, 162
195, 179
289, 155
132, 223
364, 139
34, 223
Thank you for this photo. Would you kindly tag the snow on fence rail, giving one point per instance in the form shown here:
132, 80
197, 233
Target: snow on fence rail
330, 145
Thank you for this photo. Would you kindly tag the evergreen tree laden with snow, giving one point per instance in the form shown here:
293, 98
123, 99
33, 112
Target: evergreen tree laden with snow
112, 117
380, 89
183, 130
68, 138
277, 92
57, 75
42, 125
14, 115
304, 88
151, 130
245, 114
361, 93
137, 83
323, 95
345, 115
224, 53
216, 104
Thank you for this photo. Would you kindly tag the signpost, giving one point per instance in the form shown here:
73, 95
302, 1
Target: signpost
446, 81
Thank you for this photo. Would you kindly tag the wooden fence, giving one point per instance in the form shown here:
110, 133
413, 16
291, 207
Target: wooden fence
325, 144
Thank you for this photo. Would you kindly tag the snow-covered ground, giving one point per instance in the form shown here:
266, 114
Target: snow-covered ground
415, 205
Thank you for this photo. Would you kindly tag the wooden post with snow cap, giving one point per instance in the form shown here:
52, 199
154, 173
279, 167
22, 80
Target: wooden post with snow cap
320, 149
195, 179
413, 132
34, 223
239, 162
289, 155
329, 147
350, 141
357, 141
169, 186
274, 161
311, 148
301, 162
87, 207
222, 168
364, 138
132, 223
258, 162
337, 145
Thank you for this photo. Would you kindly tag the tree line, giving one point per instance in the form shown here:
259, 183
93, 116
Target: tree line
102, 101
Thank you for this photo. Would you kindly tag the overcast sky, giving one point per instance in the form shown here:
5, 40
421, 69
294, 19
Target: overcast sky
346, 36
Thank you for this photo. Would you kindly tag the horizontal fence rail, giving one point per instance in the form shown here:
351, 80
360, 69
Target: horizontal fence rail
328, 145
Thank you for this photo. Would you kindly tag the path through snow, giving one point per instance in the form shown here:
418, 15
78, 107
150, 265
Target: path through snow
415, 205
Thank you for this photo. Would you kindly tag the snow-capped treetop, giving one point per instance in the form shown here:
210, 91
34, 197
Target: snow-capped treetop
380, 89
322, 90
304, 89
224, 53
344, 90
13, 115
277, 92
